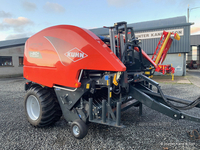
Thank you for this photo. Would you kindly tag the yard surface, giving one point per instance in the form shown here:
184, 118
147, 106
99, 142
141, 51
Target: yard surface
150, 131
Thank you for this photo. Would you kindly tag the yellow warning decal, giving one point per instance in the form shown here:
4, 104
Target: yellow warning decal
87, 86
151, 76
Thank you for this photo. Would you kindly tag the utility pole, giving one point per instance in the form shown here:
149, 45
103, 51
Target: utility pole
188, 12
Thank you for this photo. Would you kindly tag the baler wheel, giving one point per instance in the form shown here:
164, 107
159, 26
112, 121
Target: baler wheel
41, 107
79, 129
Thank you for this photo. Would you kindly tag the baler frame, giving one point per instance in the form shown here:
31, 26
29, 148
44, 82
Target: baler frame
99, 96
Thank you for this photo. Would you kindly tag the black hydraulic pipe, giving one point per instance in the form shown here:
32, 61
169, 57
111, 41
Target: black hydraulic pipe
125, 57
164, 109
141, 56
90, 108
104, 111
170, 98
189, 106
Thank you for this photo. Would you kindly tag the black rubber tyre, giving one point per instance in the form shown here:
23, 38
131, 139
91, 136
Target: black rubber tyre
41, 107
79, 129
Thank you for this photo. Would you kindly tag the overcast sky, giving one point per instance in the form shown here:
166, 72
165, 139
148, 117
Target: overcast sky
23, 18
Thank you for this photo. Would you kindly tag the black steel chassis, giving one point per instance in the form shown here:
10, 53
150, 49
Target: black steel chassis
139, 92
142, 92
81, 105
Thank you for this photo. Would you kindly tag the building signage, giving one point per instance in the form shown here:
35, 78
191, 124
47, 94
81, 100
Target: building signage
157, 34
178, 68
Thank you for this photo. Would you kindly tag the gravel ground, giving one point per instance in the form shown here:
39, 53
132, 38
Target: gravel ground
150, 131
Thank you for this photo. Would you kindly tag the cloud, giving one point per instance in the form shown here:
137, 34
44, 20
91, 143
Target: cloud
186, 2
17, 25
53, 7
2, 36
28, 6
18, 36
91, 28
4, 14
17, 22
120, 3
4, 26
194, 30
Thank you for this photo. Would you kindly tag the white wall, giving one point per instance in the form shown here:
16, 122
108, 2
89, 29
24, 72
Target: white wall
15, 52
178, 62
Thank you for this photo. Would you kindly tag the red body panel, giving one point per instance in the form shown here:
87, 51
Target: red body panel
56, 55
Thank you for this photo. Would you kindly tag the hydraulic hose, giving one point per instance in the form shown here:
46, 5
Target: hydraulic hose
114, 88
189, 106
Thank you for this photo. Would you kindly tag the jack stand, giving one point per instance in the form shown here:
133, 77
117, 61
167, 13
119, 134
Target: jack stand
140, 109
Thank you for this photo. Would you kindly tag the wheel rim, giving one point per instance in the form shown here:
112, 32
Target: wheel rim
33, 107
76, 130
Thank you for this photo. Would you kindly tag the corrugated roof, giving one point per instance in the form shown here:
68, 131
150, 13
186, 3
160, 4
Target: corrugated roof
195, 39
10, 43
159, 23
149, 45
154, 24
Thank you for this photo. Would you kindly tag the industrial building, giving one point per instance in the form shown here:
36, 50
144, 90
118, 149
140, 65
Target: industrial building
150, 32
11, 57
193, 56
185, 50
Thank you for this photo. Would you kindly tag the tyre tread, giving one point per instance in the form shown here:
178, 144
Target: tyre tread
51, 111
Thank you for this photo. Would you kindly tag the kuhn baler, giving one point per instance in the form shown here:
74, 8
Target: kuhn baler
72, 72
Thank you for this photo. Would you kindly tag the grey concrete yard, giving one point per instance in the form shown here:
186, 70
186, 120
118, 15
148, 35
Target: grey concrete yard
150, 131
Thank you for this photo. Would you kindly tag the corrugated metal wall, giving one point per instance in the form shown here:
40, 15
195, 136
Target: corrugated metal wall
195, 40
149, 45
181, 46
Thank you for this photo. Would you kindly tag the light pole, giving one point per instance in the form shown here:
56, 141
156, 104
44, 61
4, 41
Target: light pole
188, 12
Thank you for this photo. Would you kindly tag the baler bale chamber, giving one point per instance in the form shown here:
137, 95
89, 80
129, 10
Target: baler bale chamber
86, 78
